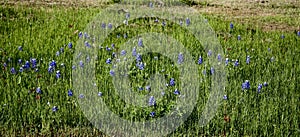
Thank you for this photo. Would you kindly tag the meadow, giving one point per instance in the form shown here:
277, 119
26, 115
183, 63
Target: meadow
38, 43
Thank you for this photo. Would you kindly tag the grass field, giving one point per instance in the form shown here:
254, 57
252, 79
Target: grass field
34, 102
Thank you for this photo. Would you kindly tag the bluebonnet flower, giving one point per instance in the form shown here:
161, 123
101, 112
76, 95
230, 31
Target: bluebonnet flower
36, 70
103, 25
110, 26
140, 42
219, 58
70, 92
112, 73
127, 15
248, 59
141, 66
13, 71
58, 75
81, 96
212, 70
163, 23
162, 93
33, 62
113, 45
108, 48
151, 101
282, 36
209, 53
27, 65
180, 22
21, 69
239, 37
138, 58
79, 35
152, 114
225, 97
231, 25
57, 53
151, 5
188, 21
81, 64
73, 67
148, 88
246, 85
88, 59
156, 20
70, 45
87, 44
259, 88
62, 50
176, 92
134, 51
140, 88
50, 69
20, 61
204, 72
123, 52
53, 63
180, 58
108, 61
113, 55
99, 94
86, 36
172, 82
4, 64
38, 90
200, 60
236, 63
226, 61
54, 109
265, 84
298, 33
20, 48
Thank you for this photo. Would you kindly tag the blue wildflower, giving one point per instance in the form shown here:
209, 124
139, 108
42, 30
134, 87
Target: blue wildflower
112, 73
20, 48
140, 42
204, 72
58, 74
138, 58
103, 25
176, 92
148, 88
265, 84
151, 5
239, 37
21, 69
99, 94
87, 44
180, 58
108, 61
236, 63
231, 25
172, 82
200, 60
108, 48
219, 58
50, 69
163, 23
259, 88
248, 59
225, 97
246, 85
13, 71
81, 96
134, 51
73, 67
70, 45
212, 70
123, 52
226, 61
282, 36
53, 63
86, 36
79, 35
188, 21
110, 26
70, 92
209, 53
57, 53
141, 66
151, 101
38, 90
54, 109
81, 64
152, 114
298, 33
140, 88
62, 50
33, 62
127, 15
4, 64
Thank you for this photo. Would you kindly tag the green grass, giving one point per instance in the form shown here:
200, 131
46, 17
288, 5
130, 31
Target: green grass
42, 31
